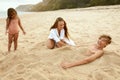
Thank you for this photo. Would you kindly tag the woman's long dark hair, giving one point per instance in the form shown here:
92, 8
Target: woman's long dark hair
65, 26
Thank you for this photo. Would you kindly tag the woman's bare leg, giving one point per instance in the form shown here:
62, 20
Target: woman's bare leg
50, 44
15, 41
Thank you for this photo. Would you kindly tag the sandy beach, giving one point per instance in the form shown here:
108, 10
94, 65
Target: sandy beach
33, 61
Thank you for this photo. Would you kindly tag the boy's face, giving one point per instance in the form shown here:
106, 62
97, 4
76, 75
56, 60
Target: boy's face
103, 42
60, 25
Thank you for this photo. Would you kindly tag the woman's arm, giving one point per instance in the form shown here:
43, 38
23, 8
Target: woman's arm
62, 34
60, 44
84, 61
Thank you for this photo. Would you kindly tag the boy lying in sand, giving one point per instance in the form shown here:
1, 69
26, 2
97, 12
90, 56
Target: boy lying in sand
95, 51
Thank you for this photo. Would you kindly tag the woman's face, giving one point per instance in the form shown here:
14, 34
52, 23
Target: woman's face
102, 42
60, 25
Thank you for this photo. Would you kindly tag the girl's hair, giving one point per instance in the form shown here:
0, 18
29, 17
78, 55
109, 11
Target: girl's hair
55, 25
10, 13
108, 38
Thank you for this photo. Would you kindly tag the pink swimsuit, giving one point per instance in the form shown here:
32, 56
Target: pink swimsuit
13, 26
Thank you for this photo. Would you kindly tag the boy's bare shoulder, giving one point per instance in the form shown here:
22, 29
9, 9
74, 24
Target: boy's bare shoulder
100, 52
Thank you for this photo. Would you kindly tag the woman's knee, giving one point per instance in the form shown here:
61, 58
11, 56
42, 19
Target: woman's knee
50, 44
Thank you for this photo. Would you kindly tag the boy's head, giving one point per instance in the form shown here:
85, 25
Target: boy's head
104, 40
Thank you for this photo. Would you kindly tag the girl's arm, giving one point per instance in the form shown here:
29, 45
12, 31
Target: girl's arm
20, 25
84, 61
7, 25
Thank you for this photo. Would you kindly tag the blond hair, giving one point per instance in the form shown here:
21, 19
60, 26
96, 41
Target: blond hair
108, 38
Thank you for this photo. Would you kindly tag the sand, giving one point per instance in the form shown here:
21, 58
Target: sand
33, 61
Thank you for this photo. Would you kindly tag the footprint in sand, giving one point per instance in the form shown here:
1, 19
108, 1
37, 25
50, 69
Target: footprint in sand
20, 69
64, 48
20, 79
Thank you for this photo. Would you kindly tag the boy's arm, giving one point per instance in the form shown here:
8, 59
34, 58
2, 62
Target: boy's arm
20, 25
84, 61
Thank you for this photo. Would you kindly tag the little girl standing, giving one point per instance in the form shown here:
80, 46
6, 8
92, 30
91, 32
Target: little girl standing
12, 28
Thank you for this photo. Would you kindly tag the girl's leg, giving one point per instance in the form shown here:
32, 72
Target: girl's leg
10, 36
15, 41
50, 43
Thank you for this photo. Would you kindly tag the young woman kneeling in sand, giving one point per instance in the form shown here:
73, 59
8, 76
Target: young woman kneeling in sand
59, 34
94, 52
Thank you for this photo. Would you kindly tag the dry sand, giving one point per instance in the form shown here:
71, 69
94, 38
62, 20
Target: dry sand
33, 61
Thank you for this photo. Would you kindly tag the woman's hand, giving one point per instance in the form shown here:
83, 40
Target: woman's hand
60, 44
